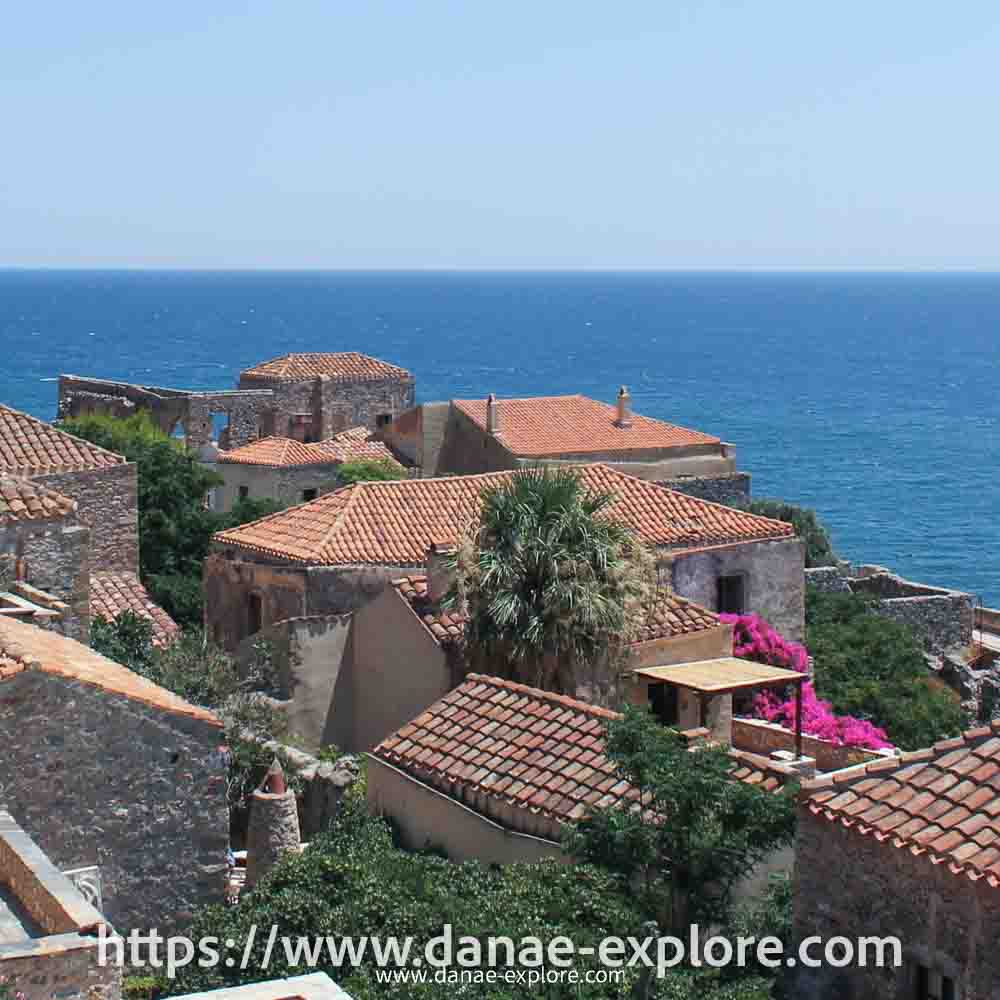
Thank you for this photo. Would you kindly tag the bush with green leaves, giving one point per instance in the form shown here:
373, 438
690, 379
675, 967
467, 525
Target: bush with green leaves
369, 470
874, 668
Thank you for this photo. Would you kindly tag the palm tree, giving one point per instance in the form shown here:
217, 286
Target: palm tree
554, 588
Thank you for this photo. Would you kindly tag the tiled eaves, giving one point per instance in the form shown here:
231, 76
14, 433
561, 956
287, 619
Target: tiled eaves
113, 593
26, 500
343, 366
941, 803
31, 447
277, 452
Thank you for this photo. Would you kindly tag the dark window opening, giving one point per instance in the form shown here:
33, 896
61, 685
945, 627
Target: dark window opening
254, 614
663, 702
731, 599
932, 985
383, 420
309, 494
244, 492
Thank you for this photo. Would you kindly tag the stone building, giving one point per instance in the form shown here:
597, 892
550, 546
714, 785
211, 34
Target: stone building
103, 484
44, 545
907, 848
468, 436
48, 929
105, 768
304, 396
541, 767
318, 394
291, 472
334, 554
402, 651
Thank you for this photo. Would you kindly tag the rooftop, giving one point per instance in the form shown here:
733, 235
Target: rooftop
942, 803
30, 447
356, 444
669, 616
721, 675
279, 452
495, 744
26, 647
577, 425
348, 366
23, 500
113, 593
393, 523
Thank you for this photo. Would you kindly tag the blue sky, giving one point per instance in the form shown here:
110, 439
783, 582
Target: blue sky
436, 134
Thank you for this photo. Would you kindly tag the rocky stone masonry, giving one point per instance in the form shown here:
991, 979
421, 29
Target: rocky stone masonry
51, 950
941, 618
733, 491
102, 779
274, 825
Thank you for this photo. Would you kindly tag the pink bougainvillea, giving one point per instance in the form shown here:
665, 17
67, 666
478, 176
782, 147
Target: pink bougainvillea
754, 639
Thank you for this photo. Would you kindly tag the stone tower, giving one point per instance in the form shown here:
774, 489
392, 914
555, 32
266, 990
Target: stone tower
274, 824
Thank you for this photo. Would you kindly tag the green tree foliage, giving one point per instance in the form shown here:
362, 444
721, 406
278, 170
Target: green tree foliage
874, 668
370, 470
128, 640
553, 586
175, 526
355, 881
697, 832
819, 547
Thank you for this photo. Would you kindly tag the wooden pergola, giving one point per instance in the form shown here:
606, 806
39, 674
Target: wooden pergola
726, 675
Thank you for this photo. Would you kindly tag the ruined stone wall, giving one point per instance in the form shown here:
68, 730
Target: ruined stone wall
55, 556
774, 581
60, 967
108, 503
364, 402
98, 779
827, 580
851, 885
731, 490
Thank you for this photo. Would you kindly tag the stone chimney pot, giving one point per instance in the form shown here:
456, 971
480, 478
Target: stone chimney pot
440, 574
492, 414
624, 408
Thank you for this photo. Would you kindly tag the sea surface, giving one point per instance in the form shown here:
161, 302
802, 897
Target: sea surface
872, 397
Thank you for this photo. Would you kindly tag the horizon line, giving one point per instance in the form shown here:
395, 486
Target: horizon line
461, 269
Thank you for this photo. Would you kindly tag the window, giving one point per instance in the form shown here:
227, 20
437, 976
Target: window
308, 495
244, 492
931, 985
663, 702
383, 420
730, 598
254, 614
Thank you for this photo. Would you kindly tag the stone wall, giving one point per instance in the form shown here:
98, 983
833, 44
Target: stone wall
99, 779
54, 555
284, 485
60, 967
764, 738
851, 885
827, 580
108, 503
731, 490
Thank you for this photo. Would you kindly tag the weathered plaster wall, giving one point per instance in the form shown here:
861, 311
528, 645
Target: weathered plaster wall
108, 503
850, 885
55, 556
774, 584
98, 779
426, 817
284, 485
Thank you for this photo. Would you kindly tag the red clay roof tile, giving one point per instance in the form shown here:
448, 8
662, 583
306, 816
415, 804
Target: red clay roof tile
394, 523
31, 447
542, 426
113, 593
346, 366
23, 500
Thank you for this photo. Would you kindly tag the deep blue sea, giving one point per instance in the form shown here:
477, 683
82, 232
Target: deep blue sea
872, 397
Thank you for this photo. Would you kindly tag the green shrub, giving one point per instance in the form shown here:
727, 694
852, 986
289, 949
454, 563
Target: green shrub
819, 547
370, 470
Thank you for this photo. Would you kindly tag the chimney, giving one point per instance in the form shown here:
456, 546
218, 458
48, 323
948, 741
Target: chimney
492, 414
624, 408
440, 573
274, 824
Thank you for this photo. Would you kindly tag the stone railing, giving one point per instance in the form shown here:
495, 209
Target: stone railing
764, 738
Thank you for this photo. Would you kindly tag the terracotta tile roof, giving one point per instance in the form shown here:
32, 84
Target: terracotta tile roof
346, 366
28, 646
23, 500
278, 452
577, 425
943, 802
496, 744
113, 593
356, 444
762, 772
670, 616
29, 447
394, 523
